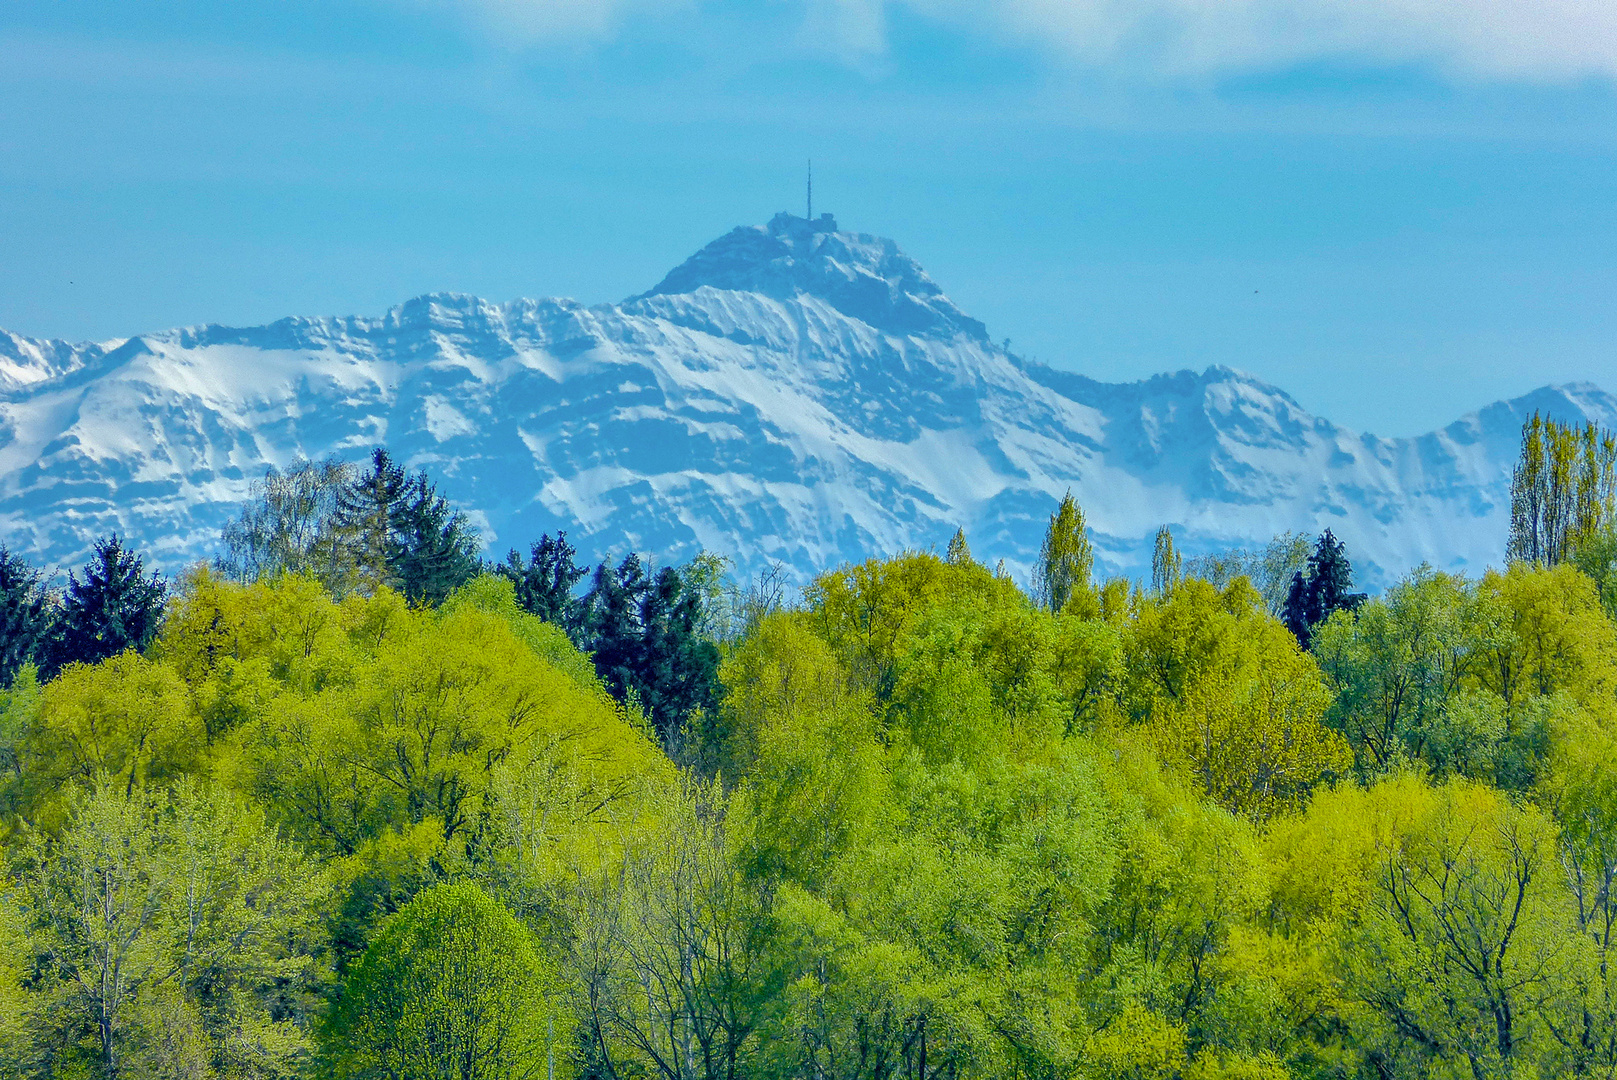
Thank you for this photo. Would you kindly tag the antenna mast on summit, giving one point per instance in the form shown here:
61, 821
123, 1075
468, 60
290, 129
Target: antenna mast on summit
809, 212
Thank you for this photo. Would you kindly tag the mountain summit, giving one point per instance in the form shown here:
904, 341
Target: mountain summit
862, 276
791, 392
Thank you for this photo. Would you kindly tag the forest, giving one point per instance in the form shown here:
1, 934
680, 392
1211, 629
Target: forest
349, 802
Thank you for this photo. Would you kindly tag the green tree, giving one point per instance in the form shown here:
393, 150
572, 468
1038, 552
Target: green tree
959, 551
114, 607
1066, 559
450, 987
292, 524
1563, 490
1464, 962
26, 616
177, 934
1166, 563
1403, 673
676, 972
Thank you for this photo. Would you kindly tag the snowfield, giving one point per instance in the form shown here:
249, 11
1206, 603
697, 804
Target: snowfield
791, 392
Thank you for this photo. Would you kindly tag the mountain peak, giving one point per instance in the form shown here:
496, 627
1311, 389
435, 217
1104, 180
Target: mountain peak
863, 276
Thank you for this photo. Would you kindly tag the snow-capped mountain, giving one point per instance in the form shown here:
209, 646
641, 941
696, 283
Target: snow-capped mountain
791, 392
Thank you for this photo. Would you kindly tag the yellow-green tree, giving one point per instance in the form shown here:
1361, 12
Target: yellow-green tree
451, 986
1563, 490
1066, 558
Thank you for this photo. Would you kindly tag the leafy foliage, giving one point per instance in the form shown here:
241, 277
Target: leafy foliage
917, 824
450, 986
1563, 491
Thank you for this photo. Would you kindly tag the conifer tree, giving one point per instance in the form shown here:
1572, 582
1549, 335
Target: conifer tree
370, 509
612, 622
405, 535
115, 607
1066, 559
25, 615
1325, 591
545, 581
959, 551
677, 669
1166, 564
434, 549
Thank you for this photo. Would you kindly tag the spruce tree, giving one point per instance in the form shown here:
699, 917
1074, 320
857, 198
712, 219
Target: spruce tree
1300, 614
1325, 591
406, 536
612, 622
115, 607
434, 549
25, 615
676, 672
545, 581
370, 509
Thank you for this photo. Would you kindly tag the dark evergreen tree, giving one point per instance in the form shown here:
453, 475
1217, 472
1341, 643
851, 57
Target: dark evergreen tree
546, 580
26, 616
612, 627
368, 510
115, 607
678, 667
644, 634
1331, 578
1300, 614
434, 548
407, 536
1325, 591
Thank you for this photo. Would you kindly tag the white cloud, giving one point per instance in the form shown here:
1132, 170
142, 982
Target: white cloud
1489, 38
1531, 39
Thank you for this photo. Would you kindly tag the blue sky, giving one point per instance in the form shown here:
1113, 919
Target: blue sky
1397, 210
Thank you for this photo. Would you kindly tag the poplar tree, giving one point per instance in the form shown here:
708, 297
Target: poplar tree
1563, 491
959, 553
1066, 559
1166, 563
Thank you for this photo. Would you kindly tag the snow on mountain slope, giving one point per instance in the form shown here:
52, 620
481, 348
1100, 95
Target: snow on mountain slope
791, 392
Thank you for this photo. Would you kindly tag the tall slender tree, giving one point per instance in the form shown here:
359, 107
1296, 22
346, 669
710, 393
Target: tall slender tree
1166, 563
1066, 559
1563, 491
959, 551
